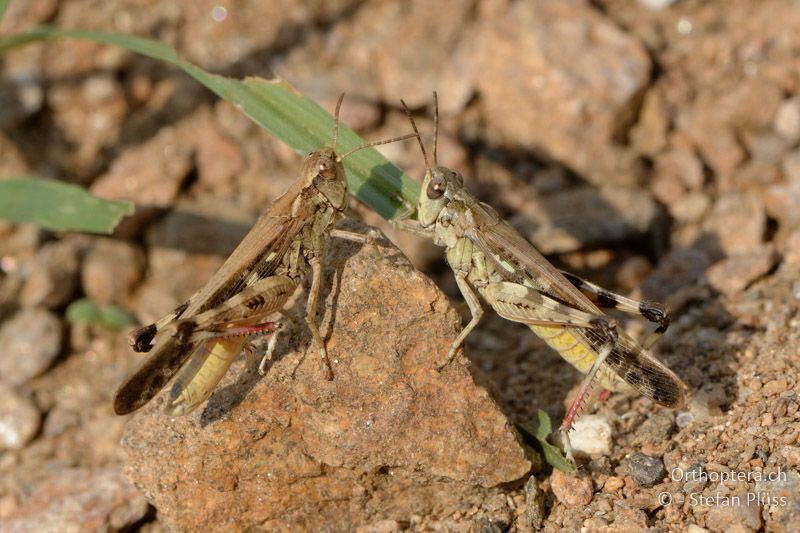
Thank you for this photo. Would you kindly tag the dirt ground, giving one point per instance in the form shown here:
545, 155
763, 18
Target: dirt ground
650, 146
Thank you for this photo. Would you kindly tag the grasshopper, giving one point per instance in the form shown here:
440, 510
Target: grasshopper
489, 257
202, 336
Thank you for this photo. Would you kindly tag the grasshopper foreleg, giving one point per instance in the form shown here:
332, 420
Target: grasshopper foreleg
476, 312
311, 316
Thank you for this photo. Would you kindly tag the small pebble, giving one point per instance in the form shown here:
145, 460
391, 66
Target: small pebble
656, 4
776, 386
534, 503
53, 276
655, 429
613, 483
646, 470
733, 274
791, 166
19, 420
734, 512
31, 340
591, 435
787, 120
571, 491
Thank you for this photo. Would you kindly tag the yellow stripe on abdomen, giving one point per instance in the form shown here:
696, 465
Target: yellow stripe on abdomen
576, 352
198, 378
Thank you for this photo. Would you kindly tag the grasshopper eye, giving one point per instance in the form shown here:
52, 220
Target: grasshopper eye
436, 188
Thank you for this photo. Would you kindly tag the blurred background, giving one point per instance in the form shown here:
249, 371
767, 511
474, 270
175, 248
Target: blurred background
650, 146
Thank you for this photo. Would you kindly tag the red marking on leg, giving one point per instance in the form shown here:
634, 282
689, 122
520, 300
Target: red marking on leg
605, 394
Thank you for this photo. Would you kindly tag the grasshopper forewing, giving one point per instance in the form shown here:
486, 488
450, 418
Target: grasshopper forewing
488, 256
202, 337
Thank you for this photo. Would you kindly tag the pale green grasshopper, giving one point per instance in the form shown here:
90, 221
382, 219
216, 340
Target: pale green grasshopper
202, 337
489, 257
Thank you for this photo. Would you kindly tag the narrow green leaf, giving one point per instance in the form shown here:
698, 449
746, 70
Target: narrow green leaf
277, 107
59, 206
539, 430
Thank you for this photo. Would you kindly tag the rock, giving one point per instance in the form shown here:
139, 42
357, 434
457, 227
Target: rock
534, 504
782, 202
655, 429
570, 83
646, 470
381, 526
780, 496
738, 222
111, 268
733, 274
682, 269
571, 490
484, 525
292, 449
774, 387
31, 340
53, 276
367, 62
583, 217
591, 435
19, 420
80, 499
571, 80
792, 455
149, 174
694, 528
656, 4
690, 208
734, 511
787, 120
613, 483
791, 166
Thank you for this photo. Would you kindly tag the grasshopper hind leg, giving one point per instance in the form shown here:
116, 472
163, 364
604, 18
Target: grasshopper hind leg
654, 312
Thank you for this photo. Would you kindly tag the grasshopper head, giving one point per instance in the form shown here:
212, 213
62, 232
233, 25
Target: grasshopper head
327, 175
437, 190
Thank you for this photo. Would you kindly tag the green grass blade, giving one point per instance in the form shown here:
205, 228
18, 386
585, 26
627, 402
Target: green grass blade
59, 206
277, 107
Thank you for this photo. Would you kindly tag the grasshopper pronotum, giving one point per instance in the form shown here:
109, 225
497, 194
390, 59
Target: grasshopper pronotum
490, 257
214, 325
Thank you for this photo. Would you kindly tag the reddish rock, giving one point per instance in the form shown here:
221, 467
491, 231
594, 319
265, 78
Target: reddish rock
388, 437
31, 340
79, 500
111, 268
586, 217
19, 420
52, 278
570, 82
737, 221
735, 273
571, 490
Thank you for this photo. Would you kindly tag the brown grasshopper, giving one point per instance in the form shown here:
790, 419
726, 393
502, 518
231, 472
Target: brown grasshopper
214, 325
490, 257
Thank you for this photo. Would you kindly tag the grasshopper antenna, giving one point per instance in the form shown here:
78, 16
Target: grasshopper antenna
375, 143
416, 133
435, 127
336, 121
